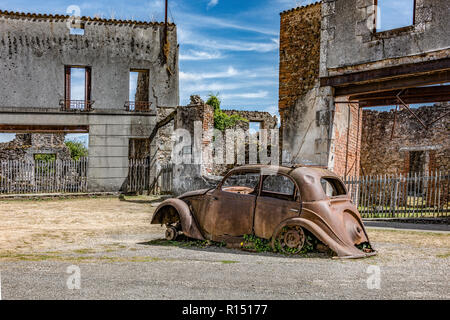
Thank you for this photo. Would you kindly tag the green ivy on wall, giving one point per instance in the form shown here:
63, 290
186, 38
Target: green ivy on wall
222, 121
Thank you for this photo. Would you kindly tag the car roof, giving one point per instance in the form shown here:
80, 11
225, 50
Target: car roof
308, 178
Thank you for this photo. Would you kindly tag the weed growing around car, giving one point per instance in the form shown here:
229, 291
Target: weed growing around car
249, 243
186, 242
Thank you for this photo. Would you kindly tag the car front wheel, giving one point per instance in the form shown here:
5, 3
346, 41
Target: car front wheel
171, 233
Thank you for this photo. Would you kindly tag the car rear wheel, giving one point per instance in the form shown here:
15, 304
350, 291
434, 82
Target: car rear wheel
291, 239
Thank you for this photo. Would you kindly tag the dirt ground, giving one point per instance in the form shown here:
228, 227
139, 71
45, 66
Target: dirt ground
45, 225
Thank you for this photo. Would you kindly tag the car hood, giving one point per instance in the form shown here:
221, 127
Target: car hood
194, 193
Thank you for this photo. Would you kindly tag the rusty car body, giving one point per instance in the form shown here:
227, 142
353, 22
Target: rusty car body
281, 204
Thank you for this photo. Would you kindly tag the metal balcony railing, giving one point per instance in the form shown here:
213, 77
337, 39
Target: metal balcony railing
82, 105
138, 106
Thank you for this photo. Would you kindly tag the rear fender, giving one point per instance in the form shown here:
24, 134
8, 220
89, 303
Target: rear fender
172, 210
341, 249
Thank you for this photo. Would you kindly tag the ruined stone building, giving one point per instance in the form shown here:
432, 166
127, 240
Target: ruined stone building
191, 175
406, 147
334, 61
39, 55
26, 146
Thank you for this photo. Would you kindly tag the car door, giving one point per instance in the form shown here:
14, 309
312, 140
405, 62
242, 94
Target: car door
232, 205
278, 200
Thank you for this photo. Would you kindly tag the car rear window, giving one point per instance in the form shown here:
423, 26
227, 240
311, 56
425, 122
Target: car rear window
332, 187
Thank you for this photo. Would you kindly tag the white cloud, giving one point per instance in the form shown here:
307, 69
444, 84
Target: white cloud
191, 87
213, 3
248, 95
259, 73
194, 20
195, 55
7, 137
77, 81
210, 86
232, 45
78, 137
295, 3
230, 72
187, 37
273, 110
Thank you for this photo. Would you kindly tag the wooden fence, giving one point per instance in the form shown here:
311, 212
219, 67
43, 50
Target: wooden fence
138, 175
166, 179
398, 196
24, 177
140, 178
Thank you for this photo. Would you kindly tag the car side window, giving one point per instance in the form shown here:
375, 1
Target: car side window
332, 187
279, 186
244, 183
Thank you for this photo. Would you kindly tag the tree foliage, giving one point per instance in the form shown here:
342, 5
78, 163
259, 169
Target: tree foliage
45, 157
222, 120
77, 149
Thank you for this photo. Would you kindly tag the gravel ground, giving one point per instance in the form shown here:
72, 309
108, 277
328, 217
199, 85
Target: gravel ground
137, 270
108, 241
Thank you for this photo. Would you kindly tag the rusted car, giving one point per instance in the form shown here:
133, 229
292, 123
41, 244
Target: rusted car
278, 203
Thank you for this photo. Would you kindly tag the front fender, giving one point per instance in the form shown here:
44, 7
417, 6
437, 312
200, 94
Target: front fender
164, 214
340, 248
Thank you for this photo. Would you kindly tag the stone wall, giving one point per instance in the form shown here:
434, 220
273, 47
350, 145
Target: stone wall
189, 176
299, 53
206, 174
26, 145
381, 155
306, 109
34, 49
350, 44
267, 120
162, 144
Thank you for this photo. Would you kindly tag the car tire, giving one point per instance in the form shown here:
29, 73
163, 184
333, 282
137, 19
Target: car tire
171, 233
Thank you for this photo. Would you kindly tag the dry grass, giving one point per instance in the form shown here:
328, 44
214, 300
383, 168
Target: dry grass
30, 226
411, 238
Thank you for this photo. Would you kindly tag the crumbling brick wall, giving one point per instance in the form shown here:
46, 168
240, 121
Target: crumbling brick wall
306, 109
381, 155
267, 120
347, 139
299, 53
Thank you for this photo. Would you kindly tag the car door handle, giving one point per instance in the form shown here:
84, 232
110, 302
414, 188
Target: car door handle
294, 210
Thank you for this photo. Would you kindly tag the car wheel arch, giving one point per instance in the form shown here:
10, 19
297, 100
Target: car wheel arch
342, 250
188, 224
307, 225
